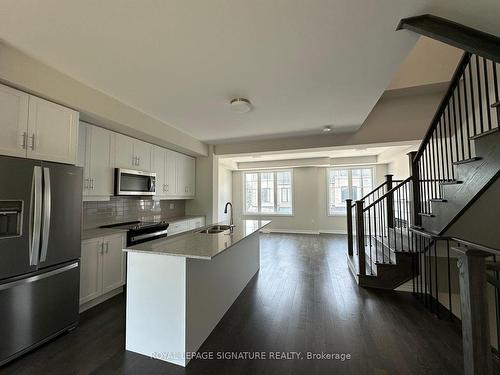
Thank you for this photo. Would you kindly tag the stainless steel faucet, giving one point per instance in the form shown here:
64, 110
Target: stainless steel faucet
231, 221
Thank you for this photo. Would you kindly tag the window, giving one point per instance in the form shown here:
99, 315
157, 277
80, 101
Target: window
268, 192
353, 183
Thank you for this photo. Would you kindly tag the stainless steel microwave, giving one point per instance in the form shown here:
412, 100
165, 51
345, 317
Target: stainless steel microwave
130, 182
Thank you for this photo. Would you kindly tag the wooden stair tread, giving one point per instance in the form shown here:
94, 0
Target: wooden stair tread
454, 182
426, 214
483, 134
465, 161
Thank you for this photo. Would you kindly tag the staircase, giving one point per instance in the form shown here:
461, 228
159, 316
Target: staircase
458, 159
400, 227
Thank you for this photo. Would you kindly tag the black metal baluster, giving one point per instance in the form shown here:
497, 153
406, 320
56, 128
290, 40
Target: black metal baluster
429, 273
421, 265
466, 105
434, 169
473, 107
400, 219
495, 83
370, 240
479, 94
425, 274
375, 231
436, 277
429, 179
450, 308
455, 130
487, 92
460, 121
449, 146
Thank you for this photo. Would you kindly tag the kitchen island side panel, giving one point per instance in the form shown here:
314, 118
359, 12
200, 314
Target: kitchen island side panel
213, 286
156, 306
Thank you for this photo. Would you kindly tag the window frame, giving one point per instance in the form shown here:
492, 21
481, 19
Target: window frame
349, 182
275, 188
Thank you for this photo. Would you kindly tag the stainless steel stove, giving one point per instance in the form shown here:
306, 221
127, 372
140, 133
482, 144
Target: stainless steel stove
142, 231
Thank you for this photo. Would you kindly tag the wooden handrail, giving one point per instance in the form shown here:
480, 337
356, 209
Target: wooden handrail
388, 193
444, 103
452, 33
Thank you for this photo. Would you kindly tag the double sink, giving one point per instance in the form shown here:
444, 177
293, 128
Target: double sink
215, 229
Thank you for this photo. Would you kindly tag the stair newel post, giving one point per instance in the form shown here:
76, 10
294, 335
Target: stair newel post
390, 202
348, 203
414, 190
475, 314
360, 235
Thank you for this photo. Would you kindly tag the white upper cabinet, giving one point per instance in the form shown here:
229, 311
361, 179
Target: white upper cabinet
94, 154
133, 154
13, 121
143, 153
36, 128
159, 160
124, 152
171, 165
52, 131
174, 174
185, 176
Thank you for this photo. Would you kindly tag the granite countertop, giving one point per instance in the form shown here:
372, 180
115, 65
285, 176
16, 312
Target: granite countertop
197, 245
88, 234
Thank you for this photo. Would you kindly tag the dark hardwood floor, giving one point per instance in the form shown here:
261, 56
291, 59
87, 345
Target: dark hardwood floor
303, 299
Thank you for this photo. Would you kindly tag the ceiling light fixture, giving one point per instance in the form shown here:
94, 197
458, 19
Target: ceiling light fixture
327, 129
240, 105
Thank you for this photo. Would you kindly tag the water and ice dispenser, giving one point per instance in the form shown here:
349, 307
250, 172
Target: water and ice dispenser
10, 218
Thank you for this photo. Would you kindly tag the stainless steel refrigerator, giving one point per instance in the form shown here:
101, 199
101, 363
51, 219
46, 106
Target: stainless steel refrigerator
40, 219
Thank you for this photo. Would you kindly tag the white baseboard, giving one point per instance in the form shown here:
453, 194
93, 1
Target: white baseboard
302, 231
290, 231
333, 231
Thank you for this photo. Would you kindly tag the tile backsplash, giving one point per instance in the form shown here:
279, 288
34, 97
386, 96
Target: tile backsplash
121, 209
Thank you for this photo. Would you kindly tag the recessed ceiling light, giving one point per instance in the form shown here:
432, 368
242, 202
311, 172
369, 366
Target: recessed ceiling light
240, 105
327, 129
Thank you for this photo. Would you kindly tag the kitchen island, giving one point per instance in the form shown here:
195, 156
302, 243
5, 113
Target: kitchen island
179, 287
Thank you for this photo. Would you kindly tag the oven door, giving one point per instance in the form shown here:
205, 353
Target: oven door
130, 182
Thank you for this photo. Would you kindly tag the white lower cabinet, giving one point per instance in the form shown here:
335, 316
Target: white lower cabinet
102, 266
185, 225
196, 223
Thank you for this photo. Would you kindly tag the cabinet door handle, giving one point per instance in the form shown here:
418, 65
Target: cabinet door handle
107, 247
32, 146
24, 145
138, 160
167, 187
92, 183
101, 251
86, 184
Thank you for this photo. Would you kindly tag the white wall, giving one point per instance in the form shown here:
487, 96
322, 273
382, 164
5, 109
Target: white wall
398, 163
225, 190
309, 202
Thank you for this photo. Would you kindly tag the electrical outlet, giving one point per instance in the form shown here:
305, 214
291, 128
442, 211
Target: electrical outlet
172, 206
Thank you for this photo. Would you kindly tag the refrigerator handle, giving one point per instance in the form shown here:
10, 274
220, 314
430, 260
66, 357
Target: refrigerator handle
46, 213
35, 215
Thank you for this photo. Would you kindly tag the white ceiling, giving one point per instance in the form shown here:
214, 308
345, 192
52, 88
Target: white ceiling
303, 64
